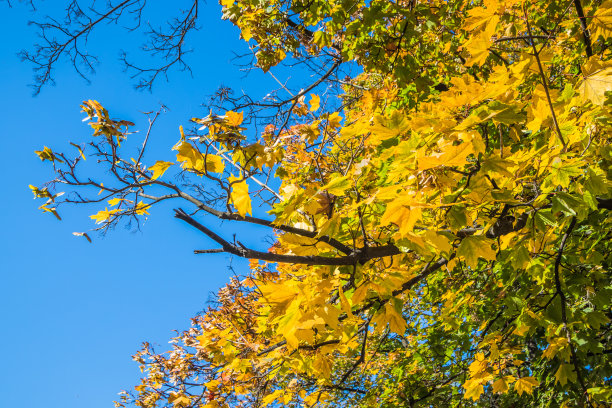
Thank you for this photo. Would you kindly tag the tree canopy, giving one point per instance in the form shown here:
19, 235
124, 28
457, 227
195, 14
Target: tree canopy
440, 219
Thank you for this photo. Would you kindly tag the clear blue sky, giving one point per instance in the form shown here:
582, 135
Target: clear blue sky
72, 313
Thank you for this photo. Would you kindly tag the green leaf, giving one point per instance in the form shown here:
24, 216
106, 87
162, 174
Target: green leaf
565, 373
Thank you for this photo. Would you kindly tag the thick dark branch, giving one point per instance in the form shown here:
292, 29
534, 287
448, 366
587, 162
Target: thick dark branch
520, 37
586, 36
358, 256
209, 251
310, 347
347, 389
253, 220
559, 291
318, 345
604, 203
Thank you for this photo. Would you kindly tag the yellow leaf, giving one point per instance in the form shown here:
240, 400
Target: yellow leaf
473, 389
114, 201
478, 48
501, 385
525, 384
400, 213
439, 242
474, 247
323, 365
278, 293
601, 23
188, 156
270, 398
596, 82
479, 364
521, 330
40, 193
159, 168
337, 185
178, 400
214, 163
558, 345
482, 18
141, 208
397, 324
52, 210
234, 118
334, 119
246, 32
450, 156
240, 196
103, 215
79, 149
344, 303
191, 159
47, 154
315, 101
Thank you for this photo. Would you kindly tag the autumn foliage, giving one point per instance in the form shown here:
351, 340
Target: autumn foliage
441, 220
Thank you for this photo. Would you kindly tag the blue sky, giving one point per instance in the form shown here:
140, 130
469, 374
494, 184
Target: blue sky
72, 313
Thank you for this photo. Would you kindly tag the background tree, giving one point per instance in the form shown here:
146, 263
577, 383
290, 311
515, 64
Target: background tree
440, 219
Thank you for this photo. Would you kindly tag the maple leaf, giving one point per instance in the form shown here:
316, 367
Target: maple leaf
473, 247
323, 365
397, 324
501, 384
179, 400
473, 389
601, 22
141, 208
525, 384
191, 159
334, 120
565, 373
234, 119
315, 102
159, 168
478, 47
240, 195
451, 156
597, 80
403, 213
189, 156
337, 185
103, 215
561, 172
114, 201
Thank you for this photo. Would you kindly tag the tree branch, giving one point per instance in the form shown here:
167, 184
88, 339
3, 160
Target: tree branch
357, 256
563, 298
586, 36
